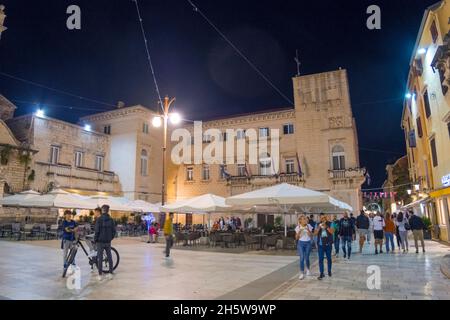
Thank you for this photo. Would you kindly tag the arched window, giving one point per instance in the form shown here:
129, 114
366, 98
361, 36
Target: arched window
144, 162
338, 158
265, 164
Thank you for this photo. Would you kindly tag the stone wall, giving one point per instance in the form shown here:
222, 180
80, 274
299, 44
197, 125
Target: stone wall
28, 215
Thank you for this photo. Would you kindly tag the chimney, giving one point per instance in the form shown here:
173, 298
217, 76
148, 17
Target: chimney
120, 104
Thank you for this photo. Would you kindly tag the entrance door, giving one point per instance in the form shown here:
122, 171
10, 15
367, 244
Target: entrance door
270, 219
261, 220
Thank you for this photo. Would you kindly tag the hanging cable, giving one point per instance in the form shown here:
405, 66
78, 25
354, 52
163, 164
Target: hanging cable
381, 151
393, 187
51, 105
147, 50
196, 9
55, 90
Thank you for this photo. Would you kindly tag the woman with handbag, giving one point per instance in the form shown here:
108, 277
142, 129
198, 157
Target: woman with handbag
402, 223
303, 235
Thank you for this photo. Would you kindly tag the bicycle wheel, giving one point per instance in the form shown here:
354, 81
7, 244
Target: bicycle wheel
115, 258
70, 259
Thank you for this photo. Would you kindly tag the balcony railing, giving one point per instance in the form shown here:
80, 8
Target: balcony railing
346, 173
64, 170
293, 178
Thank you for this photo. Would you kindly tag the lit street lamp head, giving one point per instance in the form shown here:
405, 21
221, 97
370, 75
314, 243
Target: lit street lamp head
156, 121
175, 118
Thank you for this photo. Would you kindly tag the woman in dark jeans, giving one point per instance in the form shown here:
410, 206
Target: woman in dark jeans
397, 233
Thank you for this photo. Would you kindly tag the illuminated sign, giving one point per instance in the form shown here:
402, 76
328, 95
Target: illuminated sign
446, 180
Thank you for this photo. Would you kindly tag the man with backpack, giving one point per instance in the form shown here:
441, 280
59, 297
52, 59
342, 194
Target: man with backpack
417, 226
105, 231
362, 224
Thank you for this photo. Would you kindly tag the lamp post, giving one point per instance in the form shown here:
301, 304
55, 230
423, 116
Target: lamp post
174, 119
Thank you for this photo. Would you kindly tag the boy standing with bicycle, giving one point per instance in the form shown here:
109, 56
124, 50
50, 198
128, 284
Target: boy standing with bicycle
105, 231
68, 236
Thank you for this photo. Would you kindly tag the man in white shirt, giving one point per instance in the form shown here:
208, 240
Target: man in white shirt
378, 233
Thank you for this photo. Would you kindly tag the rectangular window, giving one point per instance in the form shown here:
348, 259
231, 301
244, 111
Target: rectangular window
288, 128
189, 173
339, 162
205, 172
240, 134
107, 129
206, 138
433, 152
434, 31
419, 127
79, 159
290, 166
223, 172
241, 170
145, 127
426, 102
263, 132
54, 154
99, 160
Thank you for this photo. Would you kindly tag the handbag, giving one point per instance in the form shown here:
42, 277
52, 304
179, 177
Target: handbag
407, 226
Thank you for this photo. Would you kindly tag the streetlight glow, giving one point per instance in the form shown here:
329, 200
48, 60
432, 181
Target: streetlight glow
156, 122
87, 127
408, 95
422, 51
417, 187
40, 113
409, 191
175, 118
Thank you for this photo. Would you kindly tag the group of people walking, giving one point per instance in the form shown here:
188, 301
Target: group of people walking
340, 234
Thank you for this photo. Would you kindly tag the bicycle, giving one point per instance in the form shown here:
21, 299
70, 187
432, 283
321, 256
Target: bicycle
92, 259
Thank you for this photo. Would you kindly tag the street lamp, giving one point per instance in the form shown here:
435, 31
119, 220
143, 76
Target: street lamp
156, 122
417, 187
409, 191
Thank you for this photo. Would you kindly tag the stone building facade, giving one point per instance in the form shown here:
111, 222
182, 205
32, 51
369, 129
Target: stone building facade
318, 147
68, 156
135, 149
426, 117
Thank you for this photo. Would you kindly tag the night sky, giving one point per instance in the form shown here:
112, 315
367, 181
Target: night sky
106, 60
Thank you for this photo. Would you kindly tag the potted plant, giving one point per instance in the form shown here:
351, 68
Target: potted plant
427, 230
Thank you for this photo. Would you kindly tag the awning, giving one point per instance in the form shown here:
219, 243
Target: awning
415, 203
440, 193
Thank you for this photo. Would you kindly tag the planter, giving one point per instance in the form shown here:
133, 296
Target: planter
427, 234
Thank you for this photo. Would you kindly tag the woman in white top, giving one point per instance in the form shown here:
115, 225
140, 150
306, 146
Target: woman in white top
303, 233
400, 223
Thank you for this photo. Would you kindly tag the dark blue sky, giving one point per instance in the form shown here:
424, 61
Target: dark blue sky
106, 59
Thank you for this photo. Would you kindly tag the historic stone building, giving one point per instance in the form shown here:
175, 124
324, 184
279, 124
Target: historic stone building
426, 117
135, 149
318, 147
66, 155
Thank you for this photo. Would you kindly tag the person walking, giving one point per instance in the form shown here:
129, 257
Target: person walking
369, 236
105, 231
303, 234
362, 224
324, 232
378, 233
397, 233
389, 231
417, 227
68, 237
336, 226
313, 224
346, 232
168, 233
403, 227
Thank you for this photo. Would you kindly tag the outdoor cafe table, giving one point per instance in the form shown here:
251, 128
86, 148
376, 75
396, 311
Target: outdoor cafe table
261, 237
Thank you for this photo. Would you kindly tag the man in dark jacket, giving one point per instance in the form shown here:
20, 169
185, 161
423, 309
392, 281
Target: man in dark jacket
363, 224
346, 231
105, 231
417, 227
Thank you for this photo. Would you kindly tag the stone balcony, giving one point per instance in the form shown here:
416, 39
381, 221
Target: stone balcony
350, 173
266, 180
66, 176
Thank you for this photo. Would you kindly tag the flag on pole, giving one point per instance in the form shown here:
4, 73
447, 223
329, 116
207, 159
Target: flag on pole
368, 179
300, 173
248, 170
224, 172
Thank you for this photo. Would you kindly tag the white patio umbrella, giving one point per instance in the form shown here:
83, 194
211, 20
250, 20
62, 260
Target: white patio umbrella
57, 199
17, 199
114, 203
143, 206
204, 204
285, 197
